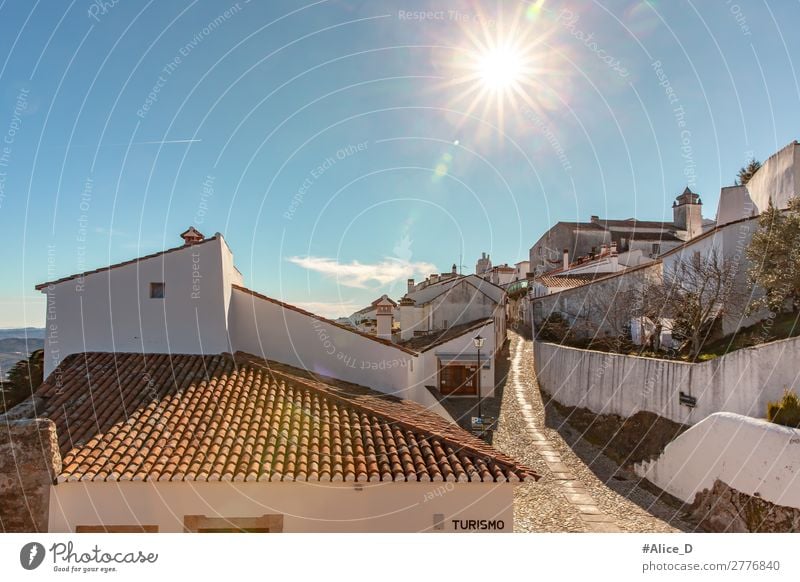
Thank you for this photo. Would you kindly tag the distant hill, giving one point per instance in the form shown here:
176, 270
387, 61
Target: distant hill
14, 347
30, 332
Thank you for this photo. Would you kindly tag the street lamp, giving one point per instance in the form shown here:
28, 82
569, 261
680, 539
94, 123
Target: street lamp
478, 341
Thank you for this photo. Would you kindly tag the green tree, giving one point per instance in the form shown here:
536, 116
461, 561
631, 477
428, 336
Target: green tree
745, 173
695, 292
23, 380
774, 258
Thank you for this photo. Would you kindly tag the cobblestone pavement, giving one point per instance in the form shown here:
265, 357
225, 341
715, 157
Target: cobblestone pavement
581, 490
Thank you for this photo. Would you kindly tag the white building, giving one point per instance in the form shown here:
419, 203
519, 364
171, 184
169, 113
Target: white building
441, 304
776, 182
190, 443
637, 242
216, 408
190, 300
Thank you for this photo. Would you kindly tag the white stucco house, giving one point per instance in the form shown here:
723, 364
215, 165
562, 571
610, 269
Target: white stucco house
191, 300
235, 443
184, 401
438, 304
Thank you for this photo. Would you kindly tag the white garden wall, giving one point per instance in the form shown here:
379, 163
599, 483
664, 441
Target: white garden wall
753, 456
741, 382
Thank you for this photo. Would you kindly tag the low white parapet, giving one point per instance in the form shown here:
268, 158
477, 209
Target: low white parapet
743, 381
753, 456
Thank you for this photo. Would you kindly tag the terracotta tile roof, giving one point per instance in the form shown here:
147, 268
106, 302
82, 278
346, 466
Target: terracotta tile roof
569, 281
162, 417
426, 342
323, 319
41, 286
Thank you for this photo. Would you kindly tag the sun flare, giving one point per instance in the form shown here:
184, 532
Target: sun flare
503, 64
500, 68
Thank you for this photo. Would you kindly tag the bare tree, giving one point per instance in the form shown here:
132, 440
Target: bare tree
695, 292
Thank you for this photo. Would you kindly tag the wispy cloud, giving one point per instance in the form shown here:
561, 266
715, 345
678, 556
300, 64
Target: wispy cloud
360, 275
329, 309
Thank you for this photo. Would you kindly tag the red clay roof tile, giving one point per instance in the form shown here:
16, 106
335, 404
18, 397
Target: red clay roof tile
161, 417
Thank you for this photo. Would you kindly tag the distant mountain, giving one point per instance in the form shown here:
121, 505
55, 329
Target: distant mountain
17, 347
29, 332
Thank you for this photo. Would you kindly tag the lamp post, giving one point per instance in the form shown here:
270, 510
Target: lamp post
478, 341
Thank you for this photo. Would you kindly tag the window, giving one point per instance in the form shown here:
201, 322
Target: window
157, 290
116, 529
656, 249
262, 524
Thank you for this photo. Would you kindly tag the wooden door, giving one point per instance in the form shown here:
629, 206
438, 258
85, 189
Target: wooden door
458, 380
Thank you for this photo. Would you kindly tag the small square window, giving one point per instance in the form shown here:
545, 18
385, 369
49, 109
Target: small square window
157, 290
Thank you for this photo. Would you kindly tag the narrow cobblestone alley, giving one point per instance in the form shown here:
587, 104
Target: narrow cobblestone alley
572, 495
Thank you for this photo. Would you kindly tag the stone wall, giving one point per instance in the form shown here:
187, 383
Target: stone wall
600, 309
724, 509
29, 463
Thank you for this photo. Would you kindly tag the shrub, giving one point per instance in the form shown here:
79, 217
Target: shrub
786, 411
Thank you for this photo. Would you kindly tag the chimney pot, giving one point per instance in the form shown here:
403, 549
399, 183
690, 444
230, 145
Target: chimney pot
192, 236
566, 258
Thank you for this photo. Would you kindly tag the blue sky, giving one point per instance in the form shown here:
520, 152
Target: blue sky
338, 145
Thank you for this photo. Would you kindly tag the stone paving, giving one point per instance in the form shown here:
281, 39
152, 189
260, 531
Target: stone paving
581, 490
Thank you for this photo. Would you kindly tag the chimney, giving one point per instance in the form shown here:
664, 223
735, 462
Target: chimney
192, 236
566, 258
384, 313
594, 219
455, 269
613, 248
409, 315
434, 278
410, 285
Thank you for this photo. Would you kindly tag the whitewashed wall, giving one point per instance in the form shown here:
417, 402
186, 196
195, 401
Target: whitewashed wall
753, 456
429, 367
267, 329
112, 310
729, 242
741, 382
306, 507
777, 180
462, 303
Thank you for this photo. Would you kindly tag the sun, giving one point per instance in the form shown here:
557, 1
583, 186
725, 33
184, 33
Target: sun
503, 63
501, 68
